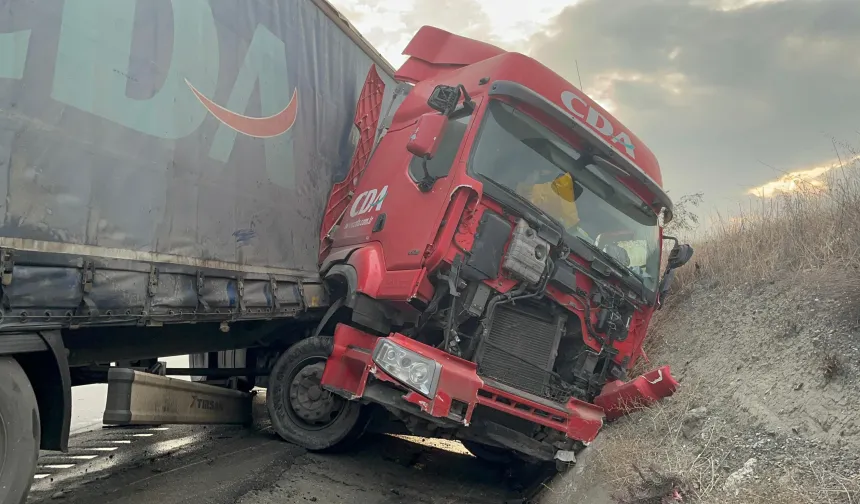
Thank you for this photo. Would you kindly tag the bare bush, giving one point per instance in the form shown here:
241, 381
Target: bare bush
685, 219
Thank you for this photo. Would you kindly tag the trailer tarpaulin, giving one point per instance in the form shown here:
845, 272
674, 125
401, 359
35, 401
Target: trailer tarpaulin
196, 128
197, 133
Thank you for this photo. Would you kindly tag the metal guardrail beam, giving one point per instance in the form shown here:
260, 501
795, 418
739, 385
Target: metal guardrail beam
218, 372
137, 398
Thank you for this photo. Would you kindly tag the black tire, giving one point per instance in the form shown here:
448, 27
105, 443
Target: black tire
489, 454
20, 432
340, 432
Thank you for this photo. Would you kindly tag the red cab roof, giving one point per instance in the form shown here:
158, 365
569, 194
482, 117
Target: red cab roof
433, 51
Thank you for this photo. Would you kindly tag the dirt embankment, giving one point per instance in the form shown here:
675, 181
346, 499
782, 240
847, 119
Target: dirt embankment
769, 406
763, 331
232, 464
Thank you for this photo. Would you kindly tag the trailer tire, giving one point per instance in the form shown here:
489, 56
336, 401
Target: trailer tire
293, 409
20, 432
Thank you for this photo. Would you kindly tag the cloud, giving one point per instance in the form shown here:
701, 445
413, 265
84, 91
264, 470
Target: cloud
806, 180
716, 87
389, 24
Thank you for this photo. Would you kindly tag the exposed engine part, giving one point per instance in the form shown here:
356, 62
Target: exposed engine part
585, 365
476, 298
613, 323
451, 340
527, 254
614, 315
488, 248
580, 370
520, 348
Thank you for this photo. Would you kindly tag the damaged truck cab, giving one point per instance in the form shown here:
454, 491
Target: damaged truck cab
493, 260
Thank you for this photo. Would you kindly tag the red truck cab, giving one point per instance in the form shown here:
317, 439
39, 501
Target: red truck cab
493, 261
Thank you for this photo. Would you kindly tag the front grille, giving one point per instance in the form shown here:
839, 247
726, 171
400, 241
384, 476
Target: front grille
520, 348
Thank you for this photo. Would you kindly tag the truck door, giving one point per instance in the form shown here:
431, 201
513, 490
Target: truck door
389, 208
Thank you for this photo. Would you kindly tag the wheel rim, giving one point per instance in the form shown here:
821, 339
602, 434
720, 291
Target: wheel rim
309, 406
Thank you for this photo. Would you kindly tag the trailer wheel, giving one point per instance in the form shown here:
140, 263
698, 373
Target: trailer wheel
301, 411
20, 431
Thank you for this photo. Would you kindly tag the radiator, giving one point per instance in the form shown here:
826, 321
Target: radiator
520, 349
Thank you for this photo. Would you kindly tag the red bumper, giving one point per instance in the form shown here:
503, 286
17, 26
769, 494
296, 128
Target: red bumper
460, 388
618, 398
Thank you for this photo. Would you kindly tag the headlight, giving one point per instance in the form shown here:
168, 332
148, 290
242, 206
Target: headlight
412, 369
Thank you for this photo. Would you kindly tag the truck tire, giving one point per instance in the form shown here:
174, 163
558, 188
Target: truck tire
300, 411
20, 431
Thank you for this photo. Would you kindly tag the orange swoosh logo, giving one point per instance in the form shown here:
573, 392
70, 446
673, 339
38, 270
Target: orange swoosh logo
259, 127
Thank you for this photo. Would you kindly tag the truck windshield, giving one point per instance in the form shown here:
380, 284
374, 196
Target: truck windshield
518, 152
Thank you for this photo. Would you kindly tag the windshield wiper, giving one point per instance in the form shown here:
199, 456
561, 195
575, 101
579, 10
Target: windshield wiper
520, 198
631, 279
615, 262
625, 274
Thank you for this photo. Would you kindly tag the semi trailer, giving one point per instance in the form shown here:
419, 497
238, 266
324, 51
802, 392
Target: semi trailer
465, 247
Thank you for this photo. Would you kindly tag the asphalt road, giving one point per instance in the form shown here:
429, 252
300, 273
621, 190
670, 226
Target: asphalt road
221, 465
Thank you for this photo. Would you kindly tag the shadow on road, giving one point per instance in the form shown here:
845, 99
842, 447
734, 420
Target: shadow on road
222, 465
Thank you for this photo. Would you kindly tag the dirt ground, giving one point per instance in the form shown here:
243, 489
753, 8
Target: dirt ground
227, 465
768, 407
767, 413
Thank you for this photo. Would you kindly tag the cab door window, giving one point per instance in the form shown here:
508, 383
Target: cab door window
440, 165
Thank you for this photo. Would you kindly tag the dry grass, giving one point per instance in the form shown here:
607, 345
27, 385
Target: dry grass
831, 366
656, 456
678, 452
817, 225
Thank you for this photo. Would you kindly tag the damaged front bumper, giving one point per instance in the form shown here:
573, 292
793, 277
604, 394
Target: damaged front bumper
457, 389
620, 398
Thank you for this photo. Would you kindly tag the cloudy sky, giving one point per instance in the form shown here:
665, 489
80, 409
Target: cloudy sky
731, 95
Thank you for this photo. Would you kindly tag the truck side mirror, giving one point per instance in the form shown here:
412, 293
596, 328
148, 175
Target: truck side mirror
679, 256
665, 283
445, 99
427, 135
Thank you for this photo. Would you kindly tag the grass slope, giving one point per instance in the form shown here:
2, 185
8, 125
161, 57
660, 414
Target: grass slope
763, 330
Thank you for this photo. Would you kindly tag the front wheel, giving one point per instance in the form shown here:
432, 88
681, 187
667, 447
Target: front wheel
301, 411
19, 432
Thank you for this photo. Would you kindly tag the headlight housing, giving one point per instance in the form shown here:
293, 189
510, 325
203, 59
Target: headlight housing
409, 368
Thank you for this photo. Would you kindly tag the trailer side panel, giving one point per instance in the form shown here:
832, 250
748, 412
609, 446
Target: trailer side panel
168, 155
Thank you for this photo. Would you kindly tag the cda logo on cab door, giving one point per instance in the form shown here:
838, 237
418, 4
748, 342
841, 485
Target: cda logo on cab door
367, 201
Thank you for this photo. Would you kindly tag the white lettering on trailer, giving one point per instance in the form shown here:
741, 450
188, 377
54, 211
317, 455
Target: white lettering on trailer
579, 108
370, 199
